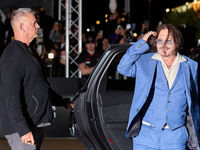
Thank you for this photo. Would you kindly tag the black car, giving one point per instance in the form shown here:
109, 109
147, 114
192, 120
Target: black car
101, 108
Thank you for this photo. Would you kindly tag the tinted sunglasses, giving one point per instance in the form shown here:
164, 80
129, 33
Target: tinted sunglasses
168, 42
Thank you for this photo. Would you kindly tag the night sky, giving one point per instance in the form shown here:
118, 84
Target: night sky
96, 9
93, 10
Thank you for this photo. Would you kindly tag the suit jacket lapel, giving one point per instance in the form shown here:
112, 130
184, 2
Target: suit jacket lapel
35, 60
186, 73
30, 53
151, 71
179, 73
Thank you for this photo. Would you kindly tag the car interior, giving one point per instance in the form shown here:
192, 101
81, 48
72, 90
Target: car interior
115, 97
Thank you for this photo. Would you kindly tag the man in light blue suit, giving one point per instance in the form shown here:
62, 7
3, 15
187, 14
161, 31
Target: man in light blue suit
165, 109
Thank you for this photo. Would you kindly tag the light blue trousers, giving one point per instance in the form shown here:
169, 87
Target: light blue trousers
151, 138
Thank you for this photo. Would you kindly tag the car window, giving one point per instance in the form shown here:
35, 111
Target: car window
116, 81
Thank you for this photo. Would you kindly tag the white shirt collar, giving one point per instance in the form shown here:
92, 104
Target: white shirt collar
179, 58
171, 73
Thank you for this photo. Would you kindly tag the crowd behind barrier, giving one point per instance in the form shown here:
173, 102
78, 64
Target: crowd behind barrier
51, 38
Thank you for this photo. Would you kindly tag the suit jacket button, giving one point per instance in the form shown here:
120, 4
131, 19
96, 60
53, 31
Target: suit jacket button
137, 110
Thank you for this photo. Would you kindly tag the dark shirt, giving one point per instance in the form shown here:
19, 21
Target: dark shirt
88, 59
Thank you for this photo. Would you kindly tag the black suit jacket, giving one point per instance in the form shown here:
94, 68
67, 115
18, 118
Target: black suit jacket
25, 95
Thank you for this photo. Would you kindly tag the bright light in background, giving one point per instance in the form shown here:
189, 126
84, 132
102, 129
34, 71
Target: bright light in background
98, 22
123, 19
51, 55
167, 10
195, 1
135, 34
106, 15
88, 29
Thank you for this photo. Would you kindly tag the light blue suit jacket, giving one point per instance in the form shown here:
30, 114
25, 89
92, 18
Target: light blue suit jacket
137, 63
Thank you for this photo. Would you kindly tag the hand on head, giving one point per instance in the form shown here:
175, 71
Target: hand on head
148, 34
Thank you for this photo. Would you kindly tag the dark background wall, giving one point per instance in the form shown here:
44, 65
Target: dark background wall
48, 5
93, 10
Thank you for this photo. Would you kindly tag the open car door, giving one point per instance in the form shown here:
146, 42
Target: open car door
101, 108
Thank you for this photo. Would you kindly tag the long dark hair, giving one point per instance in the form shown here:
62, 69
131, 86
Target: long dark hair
174, 32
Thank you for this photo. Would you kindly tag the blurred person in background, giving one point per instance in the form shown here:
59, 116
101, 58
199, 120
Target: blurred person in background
7, 27
120, 33
73, 39
52, 62
2, 33
109, 30
144, 29
88, 59
98, 40
105, 43
61, 65
55, 34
